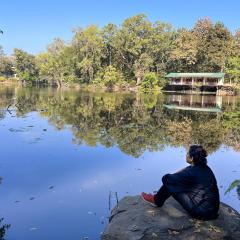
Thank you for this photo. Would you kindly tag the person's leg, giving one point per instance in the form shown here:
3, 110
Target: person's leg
161, 196
186, 202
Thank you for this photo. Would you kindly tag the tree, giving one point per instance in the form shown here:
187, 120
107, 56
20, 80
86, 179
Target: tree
142, 66
237, 38
161, 46
132, 43
233, 68
109, 33
218, 46
201, 30
149, 82
25, 65
133, 49
6, 65
56, 64
109, 77
184, 53
87, 46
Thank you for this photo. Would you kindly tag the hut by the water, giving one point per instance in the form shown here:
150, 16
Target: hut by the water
191, 79
203, 82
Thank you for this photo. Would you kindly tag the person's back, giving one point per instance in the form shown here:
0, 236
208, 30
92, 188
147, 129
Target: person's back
194, 187
199, 183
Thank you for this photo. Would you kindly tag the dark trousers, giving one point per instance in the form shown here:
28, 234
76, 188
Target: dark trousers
183, 198
186, 202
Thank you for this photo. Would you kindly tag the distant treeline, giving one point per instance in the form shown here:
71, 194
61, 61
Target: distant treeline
136, 53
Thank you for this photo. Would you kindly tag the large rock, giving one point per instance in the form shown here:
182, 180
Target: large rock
134, 219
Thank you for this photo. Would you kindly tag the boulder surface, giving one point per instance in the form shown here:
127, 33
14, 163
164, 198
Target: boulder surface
134, 219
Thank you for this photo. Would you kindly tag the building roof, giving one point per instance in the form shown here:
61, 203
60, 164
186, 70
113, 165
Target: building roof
201, 109
208, 75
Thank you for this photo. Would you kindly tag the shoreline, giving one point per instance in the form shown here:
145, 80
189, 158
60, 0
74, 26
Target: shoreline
117, 89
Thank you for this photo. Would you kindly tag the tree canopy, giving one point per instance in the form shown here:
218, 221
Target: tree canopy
130, 51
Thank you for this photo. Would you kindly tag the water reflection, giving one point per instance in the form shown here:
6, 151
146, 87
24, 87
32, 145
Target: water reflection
203, 103
52, 183
135, 123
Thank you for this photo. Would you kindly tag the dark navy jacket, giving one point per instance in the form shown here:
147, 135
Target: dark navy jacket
200, 186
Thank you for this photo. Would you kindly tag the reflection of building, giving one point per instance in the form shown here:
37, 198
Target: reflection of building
14, 72
199, 79
206, 103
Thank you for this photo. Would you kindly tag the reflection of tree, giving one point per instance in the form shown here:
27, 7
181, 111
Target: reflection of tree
133, 123
180, 132
210, 134
6, 94
233, 139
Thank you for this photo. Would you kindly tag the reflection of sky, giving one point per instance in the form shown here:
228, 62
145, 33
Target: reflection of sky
32, 160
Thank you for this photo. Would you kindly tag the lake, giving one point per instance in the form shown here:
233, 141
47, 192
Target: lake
68, 156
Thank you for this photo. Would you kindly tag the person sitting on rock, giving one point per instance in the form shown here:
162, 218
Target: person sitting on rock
194, 187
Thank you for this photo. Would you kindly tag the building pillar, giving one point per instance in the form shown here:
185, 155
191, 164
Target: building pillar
202, 100
204, 81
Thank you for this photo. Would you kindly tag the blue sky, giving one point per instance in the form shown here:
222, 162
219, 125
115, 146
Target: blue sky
32, 25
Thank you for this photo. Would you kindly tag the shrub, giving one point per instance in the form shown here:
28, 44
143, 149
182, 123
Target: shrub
149, 82
109, 77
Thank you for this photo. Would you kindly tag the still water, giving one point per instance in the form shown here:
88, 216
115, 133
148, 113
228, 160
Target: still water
67, 156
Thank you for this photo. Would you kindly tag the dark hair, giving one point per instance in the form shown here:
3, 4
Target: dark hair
199, 154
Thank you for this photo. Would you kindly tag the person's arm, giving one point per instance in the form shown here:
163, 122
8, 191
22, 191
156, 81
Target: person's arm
180, 181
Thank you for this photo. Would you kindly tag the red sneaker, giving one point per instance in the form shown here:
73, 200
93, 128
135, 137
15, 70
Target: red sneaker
149, 198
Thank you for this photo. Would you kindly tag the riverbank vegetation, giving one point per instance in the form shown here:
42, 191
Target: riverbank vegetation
136, 53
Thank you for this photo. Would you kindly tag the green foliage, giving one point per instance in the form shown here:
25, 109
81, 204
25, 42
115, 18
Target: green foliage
108, 34
109, 77
6, 65
233, 185
218, 46
142, 66
134, 48
150, 82
56, 65
87, 48
184, 51
233, 68
26, 67
150, 99
134, 122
